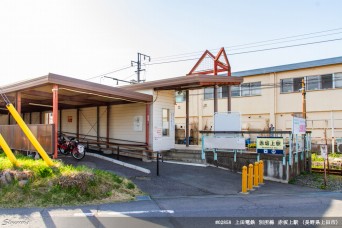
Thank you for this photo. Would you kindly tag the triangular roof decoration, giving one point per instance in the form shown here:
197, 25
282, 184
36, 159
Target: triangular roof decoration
220, 64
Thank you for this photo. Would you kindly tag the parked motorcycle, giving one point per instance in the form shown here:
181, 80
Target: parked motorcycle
70, 146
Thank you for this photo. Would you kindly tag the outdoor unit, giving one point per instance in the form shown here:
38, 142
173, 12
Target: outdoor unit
339, 144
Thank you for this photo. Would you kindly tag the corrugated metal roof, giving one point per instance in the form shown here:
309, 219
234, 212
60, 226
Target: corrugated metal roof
294, 66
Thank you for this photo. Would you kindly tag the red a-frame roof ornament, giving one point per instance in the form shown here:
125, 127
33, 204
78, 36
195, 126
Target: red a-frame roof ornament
219, 66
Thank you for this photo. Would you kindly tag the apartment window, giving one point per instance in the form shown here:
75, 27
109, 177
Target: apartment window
255, 88
180, 96
327, 81
245, 89
338, 80
297, 84
236, 91
289, 85
313, 83
166, 122
208, 93
319, 82
286, 85
224, 91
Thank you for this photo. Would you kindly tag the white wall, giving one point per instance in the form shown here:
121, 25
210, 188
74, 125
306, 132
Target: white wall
163, 99
121, 122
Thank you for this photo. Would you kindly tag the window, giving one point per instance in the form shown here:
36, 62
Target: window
180, 96
313, 83
224, 91
245, 91
338, 80
320, 82
208, 93
286, 85
166, 122
297, 84
327, 81
255, 88
236, 91
289, 85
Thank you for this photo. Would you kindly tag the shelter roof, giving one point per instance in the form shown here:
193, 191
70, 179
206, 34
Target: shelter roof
36, 93
186, 82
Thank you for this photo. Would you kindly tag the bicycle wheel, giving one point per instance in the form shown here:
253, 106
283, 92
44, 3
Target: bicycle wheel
78, 152
63, 150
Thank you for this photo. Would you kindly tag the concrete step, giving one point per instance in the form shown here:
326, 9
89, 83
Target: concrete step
190, 156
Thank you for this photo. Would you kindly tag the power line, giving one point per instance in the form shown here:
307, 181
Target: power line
247, 44
252, 51
237, 53
121, 69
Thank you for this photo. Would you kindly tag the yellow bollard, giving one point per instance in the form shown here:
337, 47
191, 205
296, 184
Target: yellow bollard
250, 177
261, 172
29, 134
256, 176
8, 151
244, 180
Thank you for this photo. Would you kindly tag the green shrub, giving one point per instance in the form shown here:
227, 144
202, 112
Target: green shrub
45, 172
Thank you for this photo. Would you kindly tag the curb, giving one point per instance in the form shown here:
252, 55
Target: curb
120, 163
185, 163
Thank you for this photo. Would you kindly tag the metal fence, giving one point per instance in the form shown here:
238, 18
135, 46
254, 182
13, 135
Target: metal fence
295, 147
17, 140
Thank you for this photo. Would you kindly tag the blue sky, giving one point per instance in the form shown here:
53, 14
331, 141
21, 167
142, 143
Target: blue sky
83, 38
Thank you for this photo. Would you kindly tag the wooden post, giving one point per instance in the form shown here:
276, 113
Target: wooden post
78, 123
147, 123
187, 118
215, 99
55, 117
108, 122
229, 99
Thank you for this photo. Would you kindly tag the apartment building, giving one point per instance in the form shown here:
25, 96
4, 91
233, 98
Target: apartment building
273, 95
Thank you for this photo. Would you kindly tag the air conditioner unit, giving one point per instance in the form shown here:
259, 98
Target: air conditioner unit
339, 144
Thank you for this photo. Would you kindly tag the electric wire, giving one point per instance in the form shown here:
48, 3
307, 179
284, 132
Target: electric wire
252, 43
252, 51
241, 45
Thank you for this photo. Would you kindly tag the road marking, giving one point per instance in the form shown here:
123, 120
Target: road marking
122, 213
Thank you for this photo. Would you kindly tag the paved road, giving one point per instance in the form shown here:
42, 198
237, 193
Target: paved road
186, 196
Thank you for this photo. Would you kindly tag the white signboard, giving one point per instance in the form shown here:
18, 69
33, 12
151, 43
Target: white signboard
227, 121
224, 143
324, 151
298, 126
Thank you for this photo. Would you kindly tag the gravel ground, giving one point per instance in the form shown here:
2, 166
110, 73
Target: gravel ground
315, 180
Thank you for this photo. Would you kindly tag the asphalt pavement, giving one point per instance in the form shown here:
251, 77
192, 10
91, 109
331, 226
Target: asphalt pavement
187, 196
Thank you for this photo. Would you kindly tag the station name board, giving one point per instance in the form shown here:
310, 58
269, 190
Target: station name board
270, 145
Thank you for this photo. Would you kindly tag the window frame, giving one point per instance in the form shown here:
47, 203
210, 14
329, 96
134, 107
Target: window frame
166, 124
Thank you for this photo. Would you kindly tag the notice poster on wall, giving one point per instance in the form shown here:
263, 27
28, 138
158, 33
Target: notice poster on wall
157, 133
298, 126
138, 123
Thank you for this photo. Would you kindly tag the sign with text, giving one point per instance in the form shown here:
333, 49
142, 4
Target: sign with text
270, 145
298, 126
324, 151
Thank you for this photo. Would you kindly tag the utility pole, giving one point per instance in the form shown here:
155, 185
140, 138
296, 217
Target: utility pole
138, 63
304, 99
